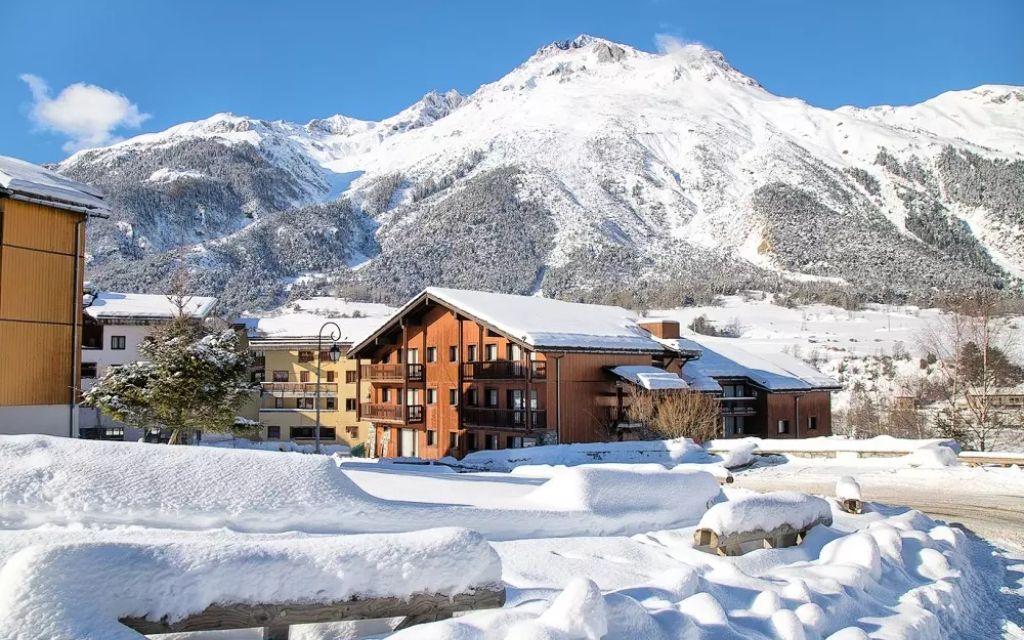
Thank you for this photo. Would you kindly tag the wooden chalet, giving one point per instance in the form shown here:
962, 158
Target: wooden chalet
456, 371
42, 261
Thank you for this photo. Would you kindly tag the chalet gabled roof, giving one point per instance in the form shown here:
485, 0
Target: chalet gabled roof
26, 181
538, 323
142, 307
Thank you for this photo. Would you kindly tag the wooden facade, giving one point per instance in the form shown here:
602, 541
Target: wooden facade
42, 251
442, 383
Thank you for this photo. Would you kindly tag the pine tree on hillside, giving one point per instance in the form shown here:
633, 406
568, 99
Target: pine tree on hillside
194, 378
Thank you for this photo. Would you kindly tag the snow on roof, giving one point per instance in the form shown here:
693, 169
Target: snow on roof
725, 358
546, 323
109, 305
302, 320
650, 378
32, 181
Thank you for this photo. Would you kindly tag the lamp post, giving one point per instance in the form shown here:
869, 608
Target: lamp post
335, 354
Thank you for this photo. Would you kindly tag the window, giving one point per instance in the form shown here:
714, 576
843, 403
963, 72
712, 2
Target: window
117, 343
734, 425
325, 356
303, 432
385, 395
431, 396
471, 397
88, 369
492, 441
412, 356
431, 438
491, 352
273, 433
491, 398
280, 376
812, 423
259, 376
353, 432
305, 356
513, 442
350, 377
453, 397
327, 433
350, 404
279, 403
514, 351
471, 441
471, 353
453, 354
331, 375
453, 440
431, 354
303, 376
332, 403
304, 403
783, 426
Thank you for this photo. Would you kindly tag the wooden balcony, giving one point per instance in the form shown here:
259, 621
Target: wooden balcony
299, 389
504, 418
396, 413
737, 406
392, 372
504, 370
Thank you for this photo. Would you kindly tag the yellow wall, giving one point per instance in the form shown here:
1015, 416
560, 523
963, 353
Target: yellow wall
340, 418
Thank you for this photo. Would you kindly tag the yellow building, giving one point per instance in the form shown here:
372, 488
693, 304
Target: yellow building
286, 369
42, 259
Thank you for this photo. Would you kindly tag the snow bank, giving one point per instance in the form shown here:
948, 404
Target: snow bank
661, 451
847, 488
831, 444
740, 455
622, 488
932, 457
76, 591
274, 445
764, 512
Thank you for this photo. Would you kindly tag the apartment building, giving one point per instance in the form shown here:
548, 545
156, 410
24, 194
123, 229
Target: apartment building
456, 371
113, 326
762, 391
286, 368
42, 249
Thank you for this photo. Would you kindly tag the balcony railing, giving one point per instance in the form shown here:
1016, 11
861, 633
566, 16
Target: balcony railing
504, 370
504, 418
299, 389
392, 372
402, 413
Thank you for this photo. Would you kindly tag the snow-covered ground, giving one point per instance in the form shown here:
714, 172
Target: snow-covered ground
590, 551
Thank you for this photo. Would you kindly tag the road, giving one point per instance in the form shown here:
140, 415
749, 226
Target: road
997, 517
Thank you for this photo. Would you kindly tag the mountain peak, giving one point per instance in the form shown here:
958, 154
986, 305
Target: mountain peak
606, 50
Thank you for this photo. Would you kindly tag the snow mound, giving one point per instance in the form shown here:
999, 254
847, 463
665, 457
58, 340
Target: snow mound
932, 457
667, 452
609, 489
45, 479
847, 488
764, 512
740, 455
72, 591
832, 444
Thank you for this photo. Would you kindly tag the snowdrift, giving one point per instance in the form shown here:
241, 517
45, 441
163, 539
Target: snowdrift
71, 591
832, 444
45, 480
668, 452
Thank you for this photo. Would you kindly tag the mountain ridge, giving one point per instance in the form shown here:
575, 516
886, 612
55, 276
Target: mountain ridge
651, 177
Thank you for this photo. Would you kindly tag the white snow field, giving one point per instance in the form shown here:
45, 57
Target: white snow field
90, 531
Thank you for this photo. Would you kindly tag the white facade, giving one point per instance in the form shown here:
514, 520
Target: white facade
47, 419
105, 357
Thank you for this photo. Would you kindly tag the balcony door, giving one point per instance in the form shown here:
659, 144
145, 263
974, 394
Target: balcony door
407, 444
412, 356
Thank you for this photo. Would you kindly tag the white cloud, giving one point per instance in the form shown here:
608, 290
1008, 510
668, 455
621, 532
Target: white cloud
667, 43
85, 113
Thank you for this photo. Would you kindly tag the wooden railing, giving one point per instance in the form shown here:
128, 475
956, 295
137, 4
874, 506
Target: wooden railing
407, 414
392, 372
506, 418
504, 370
300, 388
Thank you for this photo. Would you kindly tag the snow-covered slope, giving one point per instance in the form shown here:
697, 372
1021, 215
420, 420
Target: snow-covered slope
589, 168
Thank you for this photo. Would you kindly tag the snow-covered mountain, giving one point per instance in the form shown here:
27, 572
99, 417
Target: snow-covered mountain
593, 170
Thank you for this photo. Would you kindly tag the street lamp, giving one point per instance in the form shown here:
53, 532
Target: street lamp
335, 355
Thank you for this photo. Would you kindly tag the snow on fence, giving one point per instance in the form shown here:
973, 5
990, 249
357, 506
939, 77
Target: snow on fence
928, 452
668, 452
119, 591
778, 519
849, 495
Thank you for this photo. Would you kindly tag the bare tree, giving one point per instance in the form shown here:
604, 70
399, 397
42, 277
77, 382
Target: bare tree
675, 414
178, 290
974, 346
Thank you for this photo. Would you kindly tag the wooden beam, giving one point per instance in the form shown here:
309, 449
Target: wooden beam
273, 617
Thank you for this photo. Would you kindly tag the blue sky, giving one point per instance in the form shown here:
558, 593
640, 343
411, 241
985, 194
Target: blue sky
145, 66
